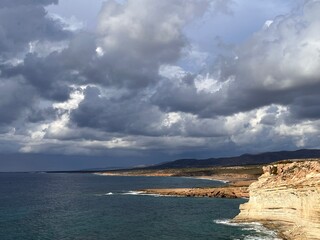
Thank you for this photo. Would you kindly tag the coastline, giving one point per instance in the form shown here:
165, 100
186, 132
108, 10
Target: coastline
216, 192
232, 187
233, 175
209, 178
234, 181
286, 198
235, 184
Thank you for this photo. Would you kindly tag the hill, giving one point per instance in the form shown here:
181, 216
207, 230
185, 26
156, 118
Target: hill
245, 159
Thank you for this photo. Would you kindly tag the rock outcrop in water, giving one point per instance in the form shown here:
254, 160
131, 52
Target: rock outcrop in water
287, 198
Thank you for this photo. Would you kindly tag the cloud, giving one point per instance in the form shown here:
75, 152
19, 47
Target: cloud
138, 85
138, 90
22, 22
280, 64
15, 3
136, 43
116, 114
15, 97
25, 27
53, 74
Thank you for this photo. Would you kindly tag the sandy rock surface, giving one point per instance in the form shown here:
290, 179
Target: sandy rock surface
220, 192
287, 198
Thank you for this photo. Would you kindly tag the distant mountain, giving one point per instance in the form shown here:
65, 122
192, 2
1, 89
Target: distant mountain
245, 159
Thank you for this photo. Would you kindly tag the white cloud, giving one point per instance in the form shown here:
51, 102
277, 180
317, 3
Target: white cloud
138, 83
209, 84
154, 33
171, 118
69, 24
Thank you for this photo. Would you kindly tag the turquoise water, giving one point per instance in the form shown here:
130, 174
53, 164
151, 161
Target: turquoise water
87, 206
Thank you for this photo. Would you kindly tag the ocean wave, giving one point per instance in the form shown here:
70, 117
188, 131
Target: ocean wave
207, 179
141, 193
134, 193
260, 232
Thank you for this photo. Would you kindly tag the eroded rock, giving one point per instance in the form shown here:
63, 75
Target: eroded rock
287, 198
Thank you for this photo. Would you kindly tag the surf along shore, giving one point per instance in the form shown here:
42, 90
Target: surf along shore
284, 196
235, 180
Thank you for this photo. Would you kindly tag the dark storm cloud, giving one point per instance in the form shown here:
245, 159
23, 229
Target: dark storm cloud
108, 91
306, 107
277, 65
130, 115
257, 74
133, 44
47, 75
14, 3
280, 64
136, 43
121, 115
38, 115
181, 97
15, 97
52, 75
22, 22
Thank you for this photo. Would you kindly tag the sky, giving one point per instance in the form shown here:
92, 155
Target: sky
93, 84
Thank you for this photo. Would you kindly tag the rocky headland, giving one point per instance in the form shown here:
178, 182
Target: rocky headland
238, 178
216, 192
234, 175
286, 198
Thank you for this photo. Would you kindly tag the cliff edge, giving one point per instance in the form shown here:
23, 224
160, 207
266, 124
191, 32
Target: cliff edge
286, 198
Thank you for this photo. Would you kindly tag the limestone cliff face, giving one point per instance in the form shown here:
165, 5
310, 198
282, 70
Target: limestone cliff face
287, 197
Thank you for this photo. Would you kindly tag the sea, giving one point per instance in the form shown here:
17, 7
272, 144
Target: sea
78, 206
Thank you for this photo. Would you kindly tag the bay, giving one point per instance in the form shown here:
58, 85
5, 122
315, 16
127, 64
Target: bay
87, 206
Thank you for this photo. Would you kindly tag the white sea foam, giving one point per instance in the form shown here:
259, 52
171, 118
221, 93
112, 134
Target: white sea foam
121, 193
134, 193
141, 193
207, 179
261, 233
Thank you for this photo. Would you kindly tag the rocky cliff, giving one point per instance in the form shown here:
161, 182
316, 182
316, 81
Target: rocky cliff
287, 198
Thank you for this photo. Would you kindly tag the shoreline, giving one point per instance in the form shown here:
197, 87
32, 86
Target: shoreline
286, 199
283, 197
210, 179
211, 192
227, 191
257, 226
232, 185
233, 179
195, 177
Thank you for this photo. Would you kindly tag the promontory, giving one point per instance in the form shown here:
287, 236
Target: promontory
286, 198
